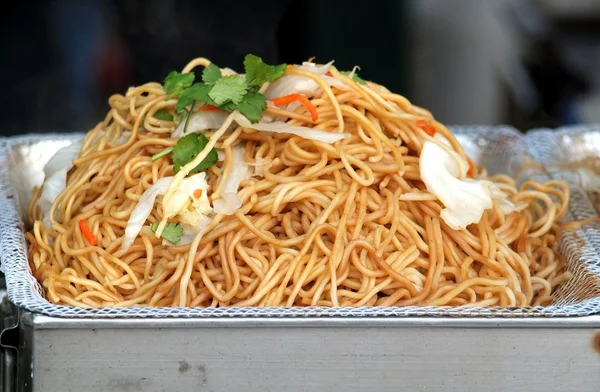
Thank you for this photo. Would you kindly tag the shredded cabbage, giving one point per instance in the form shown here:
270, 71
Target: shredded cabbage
201, 121
64, 157
292, 84
353, 72
142, 210
314, 68
281, 127
259, 167
322, 71
501, 199
55, 172
464, 200
229, 202
190, 232
191, 210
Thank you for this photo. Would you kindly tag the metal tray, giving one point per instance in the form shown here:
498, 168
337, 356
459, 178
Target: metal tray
568, 145
158, 349
334, 354
499, 149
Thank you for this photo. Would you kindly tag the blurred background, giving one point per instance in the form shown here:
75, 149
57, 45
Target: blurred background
527, 63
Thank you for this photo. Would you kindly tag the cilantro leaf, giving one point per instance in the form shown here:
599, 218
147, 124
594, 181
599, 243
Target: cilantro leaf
163, 115
355, 77
228, 107
211, 74
188, 148
257, 72
252, 106
229, 88
176, 82
172, 232
197, 92
226, 92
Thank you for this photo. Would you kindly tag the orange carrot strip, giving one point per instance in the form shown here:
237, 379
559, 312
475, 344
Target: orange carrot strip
297, 97
89, 236
426, 126
472, 168
207, 108
198, 193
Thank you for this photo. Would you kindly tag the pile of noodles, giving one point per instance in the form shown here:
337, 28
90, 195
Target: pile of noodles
349, 223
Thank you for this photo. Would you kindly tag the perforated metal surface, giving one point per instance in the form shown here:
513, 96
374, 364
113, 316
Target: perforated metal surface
499, 149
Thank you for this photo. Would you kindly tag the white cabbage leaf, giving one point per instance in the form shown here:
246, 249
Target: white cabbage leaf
190, 210
229, 202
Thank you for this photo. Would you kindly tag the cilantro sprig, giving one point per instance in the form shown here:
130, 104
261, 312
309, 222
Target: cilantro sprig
175, 83
258, 73
227, 92
172, 232
188, 148
161, 154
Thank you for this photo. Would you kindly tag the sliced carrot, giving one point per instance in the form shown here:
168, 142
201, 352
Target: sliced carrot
207, 108
291, 66
198, 193
297, 97
472, 168
426, 126
89, 236
329, 73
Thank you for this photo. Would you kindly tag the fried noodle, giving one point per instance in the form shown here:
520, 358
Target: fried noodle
344, 224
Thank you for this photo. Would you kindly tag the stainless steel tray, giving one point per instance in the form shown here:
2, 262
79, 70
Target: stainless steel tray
294, 349
335, 354
500, 149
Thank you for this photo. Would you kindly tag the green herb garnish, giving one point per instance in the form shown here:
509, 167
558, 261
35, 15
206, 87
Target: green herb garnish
257, 72
211, 74
163, 115
161, 154
229, 89
188, 148
196, 93
172, 232
252, 106
176, 82
228, 93
355, 77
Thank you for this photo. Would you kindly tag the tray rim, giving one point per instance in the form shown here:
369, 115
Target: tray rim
39, 321
303, 313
